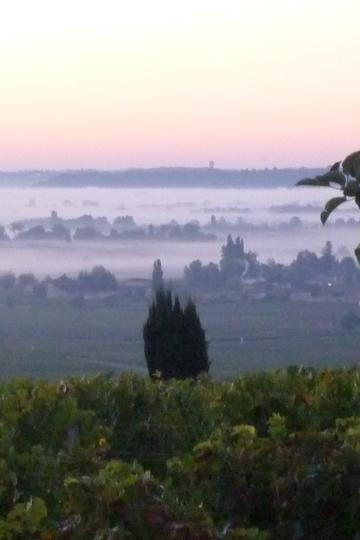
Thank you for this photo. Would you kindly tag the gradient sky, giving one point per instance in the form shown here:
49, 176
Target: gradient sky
119, 83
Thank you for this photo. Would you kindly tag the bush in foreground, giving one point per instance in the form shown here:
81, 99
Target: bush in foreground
268, 456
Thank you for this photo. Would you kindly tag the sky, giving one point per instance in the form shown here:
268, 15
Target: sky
145, 83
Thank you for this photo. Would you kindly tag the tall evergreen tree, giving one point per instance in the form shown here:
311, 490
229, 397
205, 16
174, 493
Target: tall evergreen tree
234, 260
157, 276
195, 358
174, 341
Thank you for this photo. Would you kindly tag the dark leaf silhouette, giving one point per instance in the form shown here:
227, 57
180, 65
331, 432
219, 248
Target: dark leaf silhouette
330, 207
352, 188
345, 176
324, 180
334, 203
351, 165
357, 253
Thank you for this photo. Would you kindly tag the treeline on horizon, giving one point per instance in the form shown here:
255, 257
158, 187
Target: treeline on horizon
236, 269
160, 177
88, 228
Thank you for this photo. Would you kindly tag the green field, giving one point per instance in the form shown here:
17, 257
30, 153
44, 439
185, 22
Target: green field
52, 338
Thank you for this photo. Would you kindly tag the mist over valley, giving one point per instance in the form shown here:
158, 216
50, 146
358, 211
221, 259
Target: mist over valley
265, 218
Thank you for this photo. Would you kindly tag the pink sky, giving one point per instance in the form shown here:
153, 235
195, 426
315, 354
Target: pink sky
113, 84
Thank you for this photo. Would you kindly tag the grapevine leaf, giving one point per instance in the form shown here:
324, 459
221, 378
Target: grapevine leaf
352, 188
334, 203
324, 180
351, 164
330, 207
323, 216
357, 253
311, 182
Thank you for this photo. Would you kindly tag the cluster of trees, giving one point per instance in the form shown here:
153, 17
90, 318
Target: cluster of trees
38, 232
8, 280
23, 284
308, 266
190, 231
96, 280
174, 341
242, 225
90, 229
175, 344
266, 456
100, 223
236, 264
87, 227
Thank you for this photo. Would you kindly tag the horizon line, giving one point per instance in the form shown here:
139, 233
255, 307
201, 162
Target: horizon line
152, 168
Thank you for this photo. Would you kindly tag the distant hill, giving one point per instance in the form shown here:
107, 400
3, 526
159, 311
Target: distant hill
25, 178
166, 177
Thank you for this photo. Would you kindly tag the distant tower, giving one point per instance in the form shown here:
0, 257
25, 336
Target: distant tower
211, 164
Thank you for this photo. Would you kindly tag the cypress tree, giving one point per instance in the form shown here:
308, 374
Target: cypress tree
174, 341
195, 357
157, 276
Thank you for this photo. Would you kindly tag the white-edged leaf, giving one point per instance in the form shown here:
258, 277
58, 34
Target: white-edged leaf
334, 203
330, 207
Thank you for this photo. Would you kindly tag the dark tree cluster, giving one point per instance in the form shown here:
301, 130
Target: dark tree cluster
174, 340
90, 228
97, 280
8, 280
308, 266
38, 232
234, 260
235, 263
157, 276
199, 275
